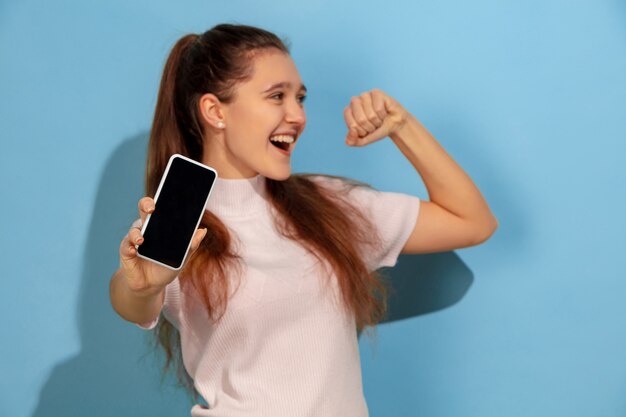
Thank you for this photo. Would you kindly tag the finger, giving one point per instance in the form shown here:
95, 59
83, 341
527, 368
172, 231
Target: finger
146, 206
378, 103
354, 129
197, 238
127, 249
370, 113
356, 104
372, 137
134, 236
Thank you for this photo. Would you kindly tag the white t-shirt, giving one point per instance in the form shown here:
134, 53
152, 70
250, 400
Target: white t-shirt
284, 347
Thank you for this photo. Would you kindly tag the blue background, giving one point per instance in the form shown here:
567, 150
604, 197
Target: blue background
529, 97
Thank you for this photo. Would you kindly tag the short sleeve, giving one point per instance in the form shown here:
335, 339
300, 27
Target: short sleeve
394, 215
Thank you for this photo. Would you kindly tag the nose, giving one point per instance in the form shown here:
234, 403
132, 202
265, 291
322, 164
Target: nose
295, 113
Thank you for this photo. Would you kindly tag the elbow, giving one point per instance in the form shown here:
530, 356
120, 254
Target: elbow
486, 230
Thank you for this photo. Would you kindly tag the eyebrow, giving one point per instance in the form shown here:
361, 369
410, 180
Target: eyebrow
284, 85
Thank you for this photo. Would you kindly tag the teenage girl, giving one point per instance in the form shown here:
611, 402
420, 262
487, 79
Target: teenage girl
282, 273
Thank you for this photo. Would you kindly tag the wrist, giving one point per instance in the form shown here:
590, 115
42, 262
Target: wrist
140, 291
407, 128
146, 292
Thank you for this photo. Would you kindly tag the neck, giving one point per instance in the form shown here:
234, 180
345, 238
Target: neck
217, 156
238, 196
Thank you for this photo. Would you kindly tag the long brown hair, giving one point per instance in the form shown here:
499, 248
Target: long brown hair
316, 217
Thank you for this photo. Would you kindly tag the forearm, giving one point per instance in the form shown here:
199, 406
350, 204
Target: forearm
447, 184
136, 307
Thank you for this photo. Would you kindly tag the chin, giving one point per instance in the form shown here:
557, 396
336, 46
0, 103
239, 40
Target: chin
279, 175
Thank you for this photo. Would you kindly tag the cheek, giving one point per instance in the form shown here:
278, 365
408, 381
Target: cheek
261, 117
249, 124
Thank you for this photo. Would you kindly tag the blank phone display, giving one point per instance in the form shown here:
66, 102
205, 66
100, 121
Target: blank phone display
179, 206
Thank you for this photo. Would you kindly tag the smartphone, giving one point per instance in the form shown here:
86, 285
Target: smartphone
180, 201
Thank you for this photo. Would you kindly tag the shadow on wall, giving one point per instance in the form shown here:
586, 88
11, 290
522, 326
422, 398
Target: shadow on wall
111, 376
426, 283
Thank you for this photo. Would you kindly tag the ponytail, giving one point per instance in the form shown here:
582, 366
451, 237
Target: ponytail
166, 137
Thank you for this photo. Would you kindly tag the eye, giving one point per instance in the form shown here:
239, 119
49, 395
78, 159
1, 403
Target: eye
281, 95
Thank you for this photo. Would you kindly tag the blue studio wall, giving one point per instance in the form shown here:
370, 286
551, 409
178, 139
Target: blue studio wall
529, 97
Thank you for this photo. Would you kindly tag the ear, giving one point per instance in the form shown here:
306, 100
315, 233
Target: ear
211, 111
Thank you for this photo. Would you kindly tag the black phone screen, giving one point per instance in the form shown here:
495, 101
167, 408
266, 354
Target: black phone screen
179, 205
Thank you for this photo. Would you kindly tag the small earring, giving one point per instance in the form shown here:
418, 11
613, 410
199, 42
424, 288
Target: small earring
220, 125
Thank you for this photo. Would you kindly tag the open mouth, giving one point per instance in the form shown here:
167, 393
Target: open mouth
282, 145
283, 142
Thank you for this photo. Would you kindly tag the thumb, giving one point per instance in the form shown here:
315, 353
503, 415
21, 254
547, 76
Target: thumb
352, 137
197, 238
378, 134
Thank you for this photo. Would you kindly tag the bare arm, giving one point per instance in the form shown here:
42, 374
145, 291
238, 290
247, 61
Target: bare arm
457, 215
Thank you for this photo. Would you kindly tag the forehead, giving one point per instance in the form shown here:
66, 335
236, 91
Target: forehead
272, 67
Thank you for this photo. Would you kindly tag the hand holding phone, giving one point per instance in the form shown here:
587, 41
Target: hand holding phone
143, 276
168, 225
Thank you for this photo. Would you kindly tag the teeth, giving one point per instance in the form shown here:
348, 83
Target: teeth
282, 138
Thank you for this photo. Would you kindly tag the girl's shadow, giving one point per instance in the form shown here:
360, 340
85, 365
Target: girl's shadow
112, 375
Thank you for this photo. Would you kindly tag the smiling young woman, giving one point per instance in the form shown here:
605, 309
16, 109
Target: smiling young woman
263, 318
